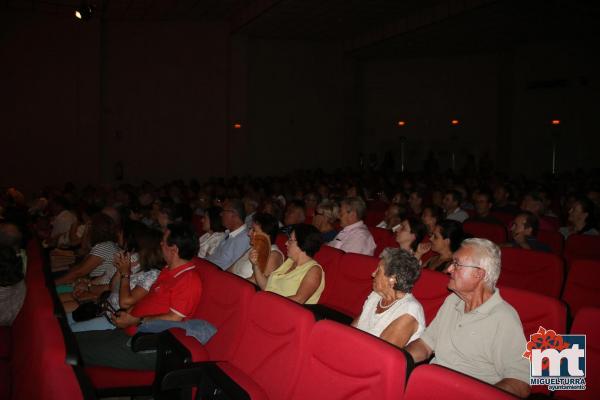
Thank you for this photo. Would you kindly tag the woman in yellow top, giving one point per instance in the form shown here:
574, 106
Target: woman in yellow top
299, 278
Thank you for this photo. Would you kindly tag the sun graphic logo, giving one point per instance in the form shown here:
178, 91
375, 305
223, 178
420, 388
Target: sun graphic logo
557, 361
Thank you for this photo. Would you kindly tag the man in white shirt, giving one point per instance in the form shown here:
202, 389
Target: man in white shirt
355, 237
61, 223
236, 241
451, 204
392, 218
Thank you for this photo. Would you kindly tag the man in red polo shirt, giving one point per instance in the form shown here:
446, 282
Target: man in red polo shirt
173, 297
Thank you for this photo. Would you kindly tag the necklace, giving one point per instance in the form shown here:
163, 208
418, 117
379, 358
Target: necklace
388, 306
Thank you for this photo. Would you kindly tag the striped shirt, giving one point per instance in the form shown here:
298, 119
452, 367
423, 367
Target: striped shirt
106, 251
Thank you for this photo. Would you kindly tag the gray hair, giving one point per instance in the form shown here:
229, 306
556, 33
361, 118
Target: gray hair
488, 257
357, 205
401, 265
330, 210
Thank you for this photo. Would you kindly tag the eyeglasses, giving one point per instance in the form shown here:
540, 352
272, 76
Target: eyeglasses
456, 264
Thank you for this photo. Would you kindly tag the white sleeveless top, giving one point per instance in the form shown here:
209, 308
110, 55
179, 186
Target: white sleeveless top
373, 323
243, 267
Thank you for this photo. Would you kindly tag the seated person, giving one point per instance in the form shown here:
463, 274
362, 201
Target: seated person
135, 275
97, 269
61, 222
524, 231
326, 213
173, 297
502, 200
581, 219
534, 203
299, 278
446, 239
475, 331
431, 216
451, 204
261, 223
295, 213
236, 241
355, 236
416, 202
12, 285
483, 207
215, 231
392, 218
391, 312
410, 236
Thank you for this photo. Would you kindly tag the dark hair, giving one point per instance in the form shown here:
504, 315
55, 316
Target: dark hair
268, 224
402, 266
238, 206
308, 238
531, 221
104, 229
183, 235
487, 194
417, 228
151, 256
132, 231
587, 206
453, 231
168, 207
297, 203
11, 235
214, 218
11, 267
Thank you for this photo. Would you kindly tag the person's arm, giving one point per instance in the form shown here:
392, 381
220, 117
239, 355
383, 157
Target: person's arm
274, 261
514, 386
127, 297
400, 330
123, 319
309, 285
259, 278
419, 350
80, 270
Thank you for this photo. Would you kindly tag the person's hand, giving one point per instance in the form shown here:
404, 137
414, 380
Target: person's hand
122, 319
422, 248
122, 261
253, 257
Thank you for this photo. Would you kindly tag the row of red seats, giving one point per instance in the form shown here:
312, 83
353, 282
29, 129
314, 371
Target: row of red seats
34, 361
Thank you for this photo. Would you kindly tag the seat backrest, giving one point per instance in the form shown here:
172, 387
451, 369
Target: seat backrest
280, 241
383, 238
494, 232
432, 382
532, 270
506, 218
583, 285
587, 322
329, 258
274, 339
536, 310
431, 289
352, 284
344, 363
224, 303
553, 239
582, 247
374, 216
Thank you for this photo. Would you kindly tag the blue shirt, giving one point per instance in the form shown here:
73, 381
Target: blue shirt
231, 248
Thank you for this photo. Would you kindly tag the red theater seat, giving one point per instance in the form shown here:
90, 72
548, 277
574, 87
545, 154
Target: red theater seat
267, 360
495, 233
583, 285
506, 218
587, 322
553, 239
383, 238
532, 270
374, 216
350, 284
344, 363
582, 247
280, 241
431, 290
433, 382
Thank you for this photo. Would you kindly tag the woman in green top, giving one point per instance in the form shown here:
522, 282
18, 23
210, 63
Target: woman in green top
299, 278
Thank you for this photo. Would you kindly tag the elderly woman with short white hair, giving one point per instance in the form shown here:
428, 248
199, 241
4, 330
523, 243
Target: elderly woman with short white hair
326, 213
391, 312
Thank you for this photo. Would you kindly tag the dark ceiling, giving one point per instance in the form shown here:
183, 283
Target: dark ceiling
478, 25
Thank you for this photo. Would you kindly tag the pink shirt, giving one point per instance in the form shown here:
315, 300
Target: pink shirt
355, 238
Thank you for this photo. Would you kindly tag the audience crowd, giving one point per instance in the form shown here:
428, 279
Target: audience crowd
134, 247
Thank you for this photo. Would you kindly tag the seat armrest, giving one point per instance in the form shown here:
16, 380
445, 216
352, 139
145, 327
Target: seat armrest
323, 312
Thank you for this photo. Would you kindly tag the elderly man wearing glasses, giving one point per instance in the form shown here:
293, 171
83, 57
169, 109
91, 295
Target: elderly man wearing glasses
475, 331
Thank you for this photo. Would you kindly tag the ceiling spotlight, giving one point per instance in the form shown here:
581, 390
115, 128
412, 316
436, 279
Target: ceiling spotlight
84, 11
